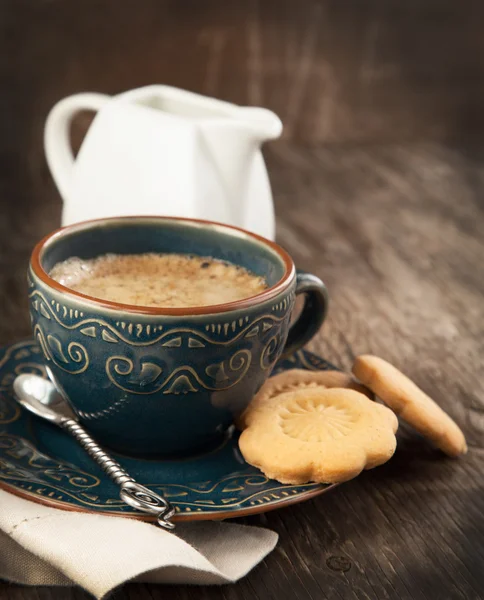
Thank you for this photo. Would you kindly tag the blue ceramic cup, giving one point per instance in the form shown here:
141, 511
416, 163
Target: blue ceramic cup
153, 381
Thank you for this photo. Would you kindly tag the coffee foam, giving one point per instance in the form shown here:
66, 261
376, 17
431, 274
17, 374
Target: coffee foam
158, 280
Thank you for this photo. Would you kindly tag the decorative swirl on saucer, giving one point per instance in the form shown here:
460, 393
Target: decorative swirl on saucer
9, 411
78, 479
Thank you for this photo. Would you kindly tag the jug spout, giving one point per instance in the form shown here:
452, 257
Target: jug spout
264, 124
234, 144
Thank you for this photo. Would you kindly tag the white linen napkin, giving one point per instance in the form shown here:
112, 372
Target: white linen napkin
47, 546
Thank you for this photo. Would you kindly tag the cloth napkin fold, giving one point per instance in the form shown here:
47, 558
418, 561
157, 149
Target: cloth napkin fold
47, 546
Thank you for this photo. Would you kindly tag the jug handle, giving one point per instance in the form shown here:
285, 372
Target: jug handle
57, 146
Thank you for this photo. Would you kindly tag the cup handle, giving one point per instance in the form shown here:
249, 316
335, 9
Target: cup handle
312, 315
57, 144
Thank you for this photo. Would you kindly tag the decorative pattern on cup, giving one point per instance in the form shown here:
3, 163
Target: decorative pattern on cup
265, 336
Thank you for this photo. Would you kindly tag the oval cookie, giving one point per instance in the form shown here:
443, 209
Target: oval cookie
410, 403
295, 379
320, 435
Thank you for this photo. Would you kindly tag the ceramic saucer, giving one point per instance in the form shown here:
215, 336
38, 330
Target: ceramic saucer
42, 463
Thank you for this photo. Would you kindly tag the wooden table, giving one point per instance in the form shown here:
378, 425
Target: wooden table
396, 230
396, 233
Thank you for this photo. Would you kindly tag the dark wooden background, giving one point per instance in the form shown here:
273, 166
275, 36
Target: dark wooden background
378, 186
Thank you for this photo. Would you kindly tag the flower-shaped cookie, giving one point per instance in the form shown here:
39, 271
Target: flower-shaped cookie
317, 434
298, 379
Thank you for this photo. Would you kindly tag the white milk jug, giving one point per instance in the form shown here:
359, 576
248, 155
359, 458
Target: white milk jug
159, 150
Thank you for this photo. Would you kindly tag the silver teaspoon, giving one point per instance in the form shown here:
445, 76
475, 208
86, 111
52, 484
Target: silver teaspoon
41, 398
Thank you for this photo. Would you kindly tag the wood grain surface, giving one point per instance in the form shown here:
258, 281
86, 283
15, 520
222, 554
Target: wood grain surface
394, 227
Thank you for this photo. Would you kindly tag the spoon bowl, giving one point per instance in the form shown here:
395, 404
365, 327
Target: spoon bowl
40, 397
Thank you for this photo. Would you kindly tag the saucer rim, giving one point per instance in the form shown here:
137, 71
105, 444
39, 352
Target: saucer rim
179, 516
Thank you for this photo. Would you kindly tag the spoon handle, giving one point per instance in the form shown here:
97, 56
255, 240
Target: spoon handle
134, 494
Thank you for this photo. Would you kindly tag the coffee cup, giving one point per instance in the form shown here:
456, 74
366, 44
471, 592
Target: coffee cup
150, 381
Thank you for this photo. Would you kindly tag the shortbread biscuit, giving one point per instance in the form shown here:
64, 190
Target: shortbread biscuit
295, 379
410, 403
320, 435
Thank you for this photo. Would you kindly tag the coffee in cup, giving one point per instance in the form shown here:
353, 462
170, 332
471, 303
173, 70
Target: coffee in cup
159, 280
